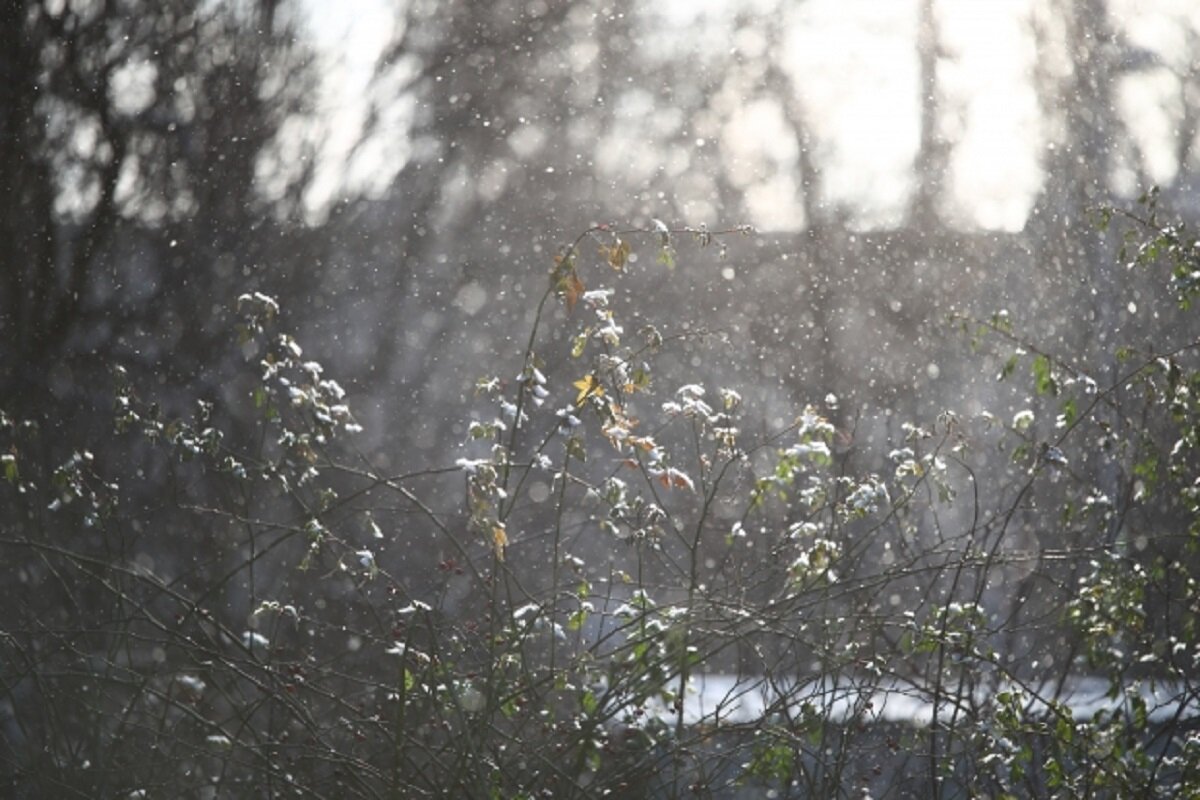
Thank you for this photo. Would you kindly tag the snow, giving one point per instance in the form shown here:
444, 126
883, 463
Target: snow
734, 700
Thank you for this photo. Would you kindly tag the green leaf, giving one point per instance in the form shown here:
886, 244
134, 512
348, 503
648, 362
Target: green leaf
1070, 411
1043, 376
1008, 368
772, 763
1001, 321
1064, 730
1140, 714
1147, 469
579, 343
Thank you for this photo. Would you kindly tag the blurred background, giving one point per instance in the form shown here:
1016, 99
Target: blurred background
399, 175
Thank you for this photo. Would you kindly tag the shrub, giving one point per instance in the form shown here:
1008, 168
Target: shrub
622, 587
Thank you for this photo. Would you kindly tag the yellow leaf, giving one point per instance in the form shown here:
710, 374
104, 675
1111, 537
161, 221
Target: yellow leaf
587, 386
499, 541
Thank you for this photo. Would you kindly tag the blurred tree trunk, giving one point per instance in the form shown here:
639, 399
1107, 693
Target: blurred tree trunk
933, 153
45, 259
1079, 164
477, 73
1081, 102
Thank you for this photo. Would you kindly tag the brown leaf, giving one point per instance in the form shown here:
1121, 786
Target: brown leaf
573, 289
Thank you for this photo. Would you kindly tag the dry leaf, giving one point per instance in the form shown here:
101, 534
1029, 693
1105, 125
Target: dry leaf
573, 289
618, 254
499, 541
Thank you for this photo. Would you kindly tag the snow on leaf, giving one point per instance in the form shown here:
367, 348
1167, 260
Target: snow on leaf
664, 233
567, 421
470, 465
191, 683
810, 423
644, 443
609, 331
11, 473
252, 639
816, 451
867, 497
274, 606
525, 610
413, 607
672, 478
265, 303
1054, 455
